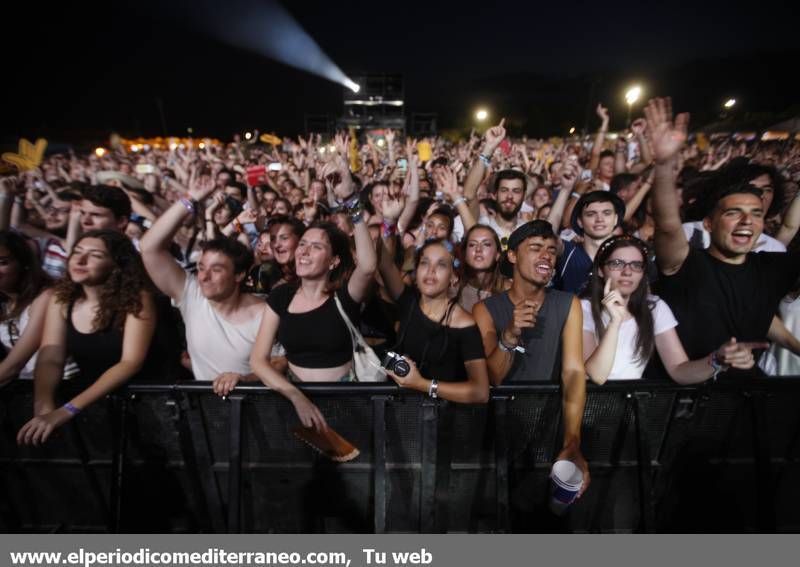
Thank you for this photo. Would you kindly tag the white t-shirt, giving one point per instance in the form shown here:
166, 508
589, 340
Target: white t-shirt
778, 361
765, 242
626, 367
214, 344
9, 339
501, 232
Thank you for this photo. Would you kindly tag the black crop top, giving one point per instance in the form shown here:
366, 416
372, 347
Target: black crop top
318, 338
440, 352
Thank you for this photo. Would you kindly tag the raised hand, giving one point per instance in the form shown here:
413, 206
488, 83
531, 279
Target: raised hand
569, 174
200, 186
639, 127
666, 137
493, 138
393, 206
248, 216
447, 183
602, 113
613, 303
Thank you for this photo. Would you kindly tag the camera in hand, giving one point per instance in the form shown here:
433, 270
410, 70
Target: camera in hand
396, 363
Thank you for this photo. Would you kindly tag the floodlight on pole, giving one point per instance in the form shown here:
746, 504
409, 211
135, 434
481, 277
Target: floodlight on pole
481, 115
730, 103
572, 130
631, 96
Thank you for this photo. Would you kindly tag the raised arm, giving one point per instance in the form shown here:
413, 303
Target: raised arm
791, 221
392, 278
412, 199
494, 136
168, 276
569, 177
668, 138
600, 138
366, 262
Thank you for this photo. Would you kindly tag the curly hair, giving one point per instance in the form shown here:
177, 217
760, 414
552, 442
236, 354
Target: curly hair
121, 292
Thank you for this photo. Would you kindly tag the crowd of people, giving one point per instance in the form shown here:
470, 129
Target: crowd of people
475, 262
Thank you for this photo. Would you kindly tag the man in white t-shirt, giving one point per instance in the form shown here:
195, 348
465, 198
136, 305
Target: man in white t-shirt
221, 321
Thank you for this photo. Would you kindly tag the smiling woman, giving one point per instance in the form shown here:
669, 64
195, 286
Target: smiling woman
304, 317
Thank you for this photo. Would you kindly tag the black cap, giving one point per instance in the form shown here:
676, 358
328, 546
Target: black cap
528, 230
597, 197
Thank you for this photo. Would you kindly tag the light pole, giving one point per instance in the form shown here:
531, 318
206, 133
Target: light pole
481, 114
631, 96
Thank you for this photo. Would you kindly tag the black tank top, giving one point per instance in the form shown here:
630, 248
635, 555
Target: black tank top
98, 351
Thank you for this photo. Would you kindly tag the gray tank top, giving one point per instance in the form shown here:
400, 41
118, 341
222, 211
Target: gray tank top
542, 359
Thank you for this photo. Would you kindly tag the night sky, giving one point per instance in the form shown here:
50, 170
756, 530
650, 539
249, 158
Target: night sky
73, 73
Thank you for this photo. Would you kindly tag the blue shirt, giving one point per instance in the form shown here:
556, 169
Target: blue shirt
572, 269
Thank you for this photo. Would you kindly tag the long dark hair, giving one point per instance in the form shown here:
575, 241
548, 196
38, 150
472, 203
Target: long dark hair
640, 305
340, 246
451, 304
31, 280
496, 284
121, 293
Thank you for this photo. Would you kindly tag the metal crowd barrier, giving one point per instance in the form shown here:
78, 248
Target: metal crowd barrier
176, 458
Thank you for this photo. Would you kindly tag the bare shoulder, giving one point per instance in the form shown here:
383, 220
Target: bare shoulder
461, 318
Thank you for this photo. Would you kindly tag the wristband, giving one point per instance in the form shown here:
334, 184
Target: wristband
716, 364
433, 390
576, 194
458, 201
189, 205
388, 229
485, 159
71, 409
508, 348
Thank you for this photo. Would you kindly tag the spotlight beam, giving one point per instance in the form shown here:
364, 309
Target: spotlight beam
267, 28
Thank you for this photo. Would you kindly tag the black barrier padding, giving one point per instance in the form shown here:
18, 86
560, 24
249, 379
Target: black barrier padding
157, 473
214, 413
533, 423
724, 458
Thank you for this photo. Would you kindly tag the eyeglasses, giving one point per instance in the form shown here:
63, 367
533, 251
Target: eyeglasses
619, 265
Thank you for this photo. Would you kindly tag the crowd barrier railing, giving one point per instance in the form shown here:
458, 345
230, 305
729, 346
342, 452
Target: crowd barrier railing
177, 458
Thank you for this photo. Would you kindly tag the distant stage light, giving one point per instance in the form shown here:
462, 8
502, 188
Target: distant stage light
100, 152
481, 115
248, 135
202, 146
572, 130
381, 142
730, 103
352, 85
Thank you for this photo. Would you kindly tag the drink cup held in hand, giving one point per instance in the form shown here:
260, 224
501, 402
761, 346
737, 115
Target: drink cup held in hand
567, 480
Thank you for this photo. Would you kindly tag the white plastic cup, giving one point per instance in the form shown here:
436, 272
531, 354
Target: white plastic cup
567, 480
